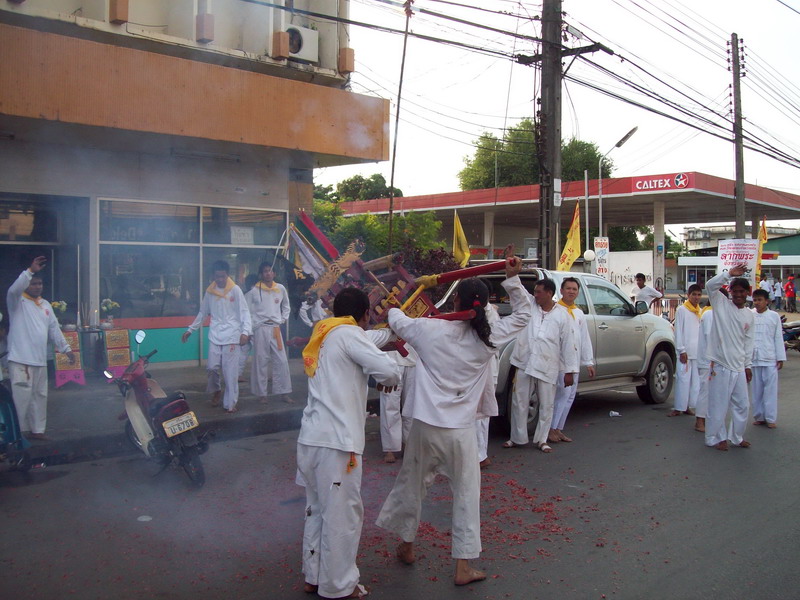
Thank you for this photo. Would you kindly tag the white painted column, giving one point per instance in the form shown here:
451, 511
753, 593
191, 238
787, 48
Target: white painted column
659, 273
488, 231
93, 252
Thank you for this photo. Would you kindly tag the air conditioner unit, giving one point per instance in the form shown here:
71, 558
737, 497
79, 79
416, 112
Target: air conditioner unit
303, 43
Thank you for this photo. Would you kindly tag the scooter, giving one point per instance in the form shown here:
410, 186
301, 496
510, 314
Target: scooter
160, 425
13, 447
791, 335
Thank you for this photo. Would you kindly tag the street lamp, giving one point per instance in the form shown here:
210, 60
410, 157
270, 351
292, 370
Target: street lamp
600, 177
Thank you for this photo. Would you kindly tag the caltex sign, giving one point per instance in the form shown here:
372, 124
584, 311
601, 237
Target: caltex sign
659, 183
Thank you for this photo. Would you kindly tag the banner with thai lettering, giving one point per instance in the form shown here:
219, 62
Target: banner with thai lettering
601, 250
738, 252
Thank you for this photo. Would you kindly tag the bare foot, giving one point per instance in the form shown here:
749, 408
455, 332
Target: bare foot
562, 437
263, 400
744, 444
553, 436
689, 411
759, 422
389, 457
700, 424
674, 413
466, 574
310, 588
38, 436
287, 398
486, 462
405, 553
771, 425
722, 446
215, 399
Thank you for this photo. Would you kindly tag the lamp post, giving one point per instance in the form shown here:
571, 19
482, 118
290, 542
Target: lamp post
600, 177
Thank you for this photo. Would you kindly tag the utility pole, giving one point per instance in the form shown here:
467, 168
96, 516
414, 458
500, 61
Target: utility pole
738, 139
549, 136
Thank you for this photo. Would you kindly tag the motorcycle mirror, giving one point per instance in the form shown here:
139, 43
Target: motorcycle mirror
108, 375
139, 337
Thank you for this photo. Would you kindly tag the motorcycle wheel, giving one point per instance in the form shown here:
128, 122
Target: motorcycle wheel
191, 463
130, 434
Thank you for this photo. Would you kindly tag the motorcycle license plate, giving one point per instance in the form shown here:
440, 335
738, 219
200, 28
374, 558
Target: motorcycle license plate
180, 424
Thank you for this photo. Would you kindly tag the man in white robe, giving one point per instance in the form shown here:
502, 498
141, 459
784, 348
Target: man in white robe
395, 427
703, 368
687, 331
338, 359
482, 423
565, 395
32, 325
769, 354
229, 330
452, 386
268, 303
730, 350
542, 351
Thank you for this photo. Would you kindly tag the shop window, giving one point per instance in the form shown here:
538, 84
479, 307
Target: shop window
242, 227
28, 222
149, 222
150, 281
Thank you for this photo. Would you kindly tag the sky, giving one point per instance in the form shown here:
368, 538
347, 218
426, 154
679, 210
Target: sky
676, 49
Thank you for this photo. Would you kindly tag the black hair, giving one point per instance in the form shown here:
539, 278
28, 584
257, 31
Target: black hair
724, 292
694, 288
759, 293
547, 284
264, 264
640, 276
351, 302
739, 282
220, 265
570, 280
473, 295
37, 276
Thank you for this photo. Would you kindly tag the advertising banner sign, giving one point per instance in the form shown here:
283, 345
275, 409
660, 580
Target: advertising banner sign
738, 252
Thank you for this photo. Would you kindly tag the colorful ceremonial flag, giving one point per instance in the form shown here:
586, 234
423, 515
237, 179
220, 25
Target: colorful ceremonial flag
762, 239
303, 255
460, 245
309, 230
572, 249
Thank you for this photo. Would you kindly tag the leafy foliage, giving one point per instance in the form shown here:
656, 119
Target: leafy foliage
360, 188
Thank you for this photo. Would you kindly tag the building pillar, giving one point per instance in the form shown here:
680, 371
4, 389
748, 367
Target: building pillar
488, 232
755, 223
659, 273
92, 286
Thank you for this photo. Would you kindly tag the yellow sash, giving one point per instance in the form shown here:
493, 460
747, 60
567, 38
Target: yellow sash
36, 301
321, 329
569, 307
692, 308
213, 289
705, 309
262, 286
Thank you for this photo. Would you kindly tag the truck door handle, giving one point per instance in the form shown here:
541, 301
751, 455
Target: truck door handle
639, 329
602, 326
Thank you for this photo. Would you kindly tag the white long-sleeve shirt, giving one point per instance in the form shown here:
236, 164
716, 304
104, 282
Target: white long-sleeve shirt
687, 332
268, 307
337, 393
706, 321
230, 317
453, 377
768, 346
730, 341
547, 346
31, 325
645, 294
311, 313
584, 353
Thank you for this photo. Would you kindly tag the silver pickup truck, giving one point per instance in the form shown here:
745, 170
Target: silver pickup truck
631, 346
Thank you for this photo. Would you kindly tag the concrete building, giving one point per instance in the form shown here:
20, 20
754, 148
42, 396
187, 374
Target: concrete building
708, 236
140, 140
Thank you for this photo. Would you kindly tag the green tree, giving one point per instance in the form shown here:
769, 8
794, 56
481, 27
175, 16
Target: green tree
360, 188
327, 216
420, 230
512, 160
674, 248
326, 193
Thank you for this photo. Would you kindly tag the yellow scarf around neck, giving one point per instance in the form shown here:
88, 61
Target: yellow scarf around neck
321, 330
213, 289
569, 307
705, 310
692, 308
36, 301
263, 286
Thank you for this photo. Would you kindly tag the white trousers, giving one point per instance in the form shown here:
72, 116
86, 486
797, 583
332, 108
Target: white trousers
764, 389
266, 357
701, 410
562, 404
225, 358
726, 389
29, 389
334, 517
482, 438
244, 352
687, 385
394, 427
432, 451
524, 387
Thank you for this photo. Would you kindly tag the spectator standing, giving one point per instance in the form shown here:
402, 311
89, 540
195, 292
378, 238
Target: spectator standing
687, 331
790, 292
769, 355
644, 293
777, 292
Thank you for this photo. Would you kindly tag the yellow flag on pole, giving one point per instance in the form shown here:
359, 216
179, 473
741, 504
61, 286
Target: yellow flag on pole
572, 249
460, 245
762, 239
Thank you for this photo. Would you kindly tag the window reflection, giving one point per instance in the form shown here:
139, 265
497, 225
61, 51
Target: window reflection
242, 227
149, 222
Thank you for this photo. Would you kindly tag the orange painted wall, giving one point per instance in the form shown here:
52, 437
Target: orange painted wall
60, 78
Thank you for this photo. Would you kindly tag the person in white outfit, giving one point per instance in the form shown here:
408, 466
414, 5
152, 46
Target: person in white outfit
544, 350
482, 424
229, 330
394, 427
311, 311
730, 351
703, 367
269, 308
687, 332
565, 395
453, 386
769, 354
32, 325
644, 293
777, 293
338, 360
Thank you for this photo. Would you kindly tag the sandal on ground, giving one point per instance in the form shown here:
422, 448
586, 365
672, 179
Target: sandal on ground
759, 422
674, 413
510, 444
744, 444
771, 425
544, 448
231, 410
310, 588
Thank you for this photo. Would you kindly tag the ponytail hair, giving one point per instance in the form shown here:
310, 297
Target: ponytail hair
473, 294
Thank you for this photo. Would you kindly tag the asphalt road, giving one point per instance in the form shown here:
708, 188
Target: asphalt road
635, 508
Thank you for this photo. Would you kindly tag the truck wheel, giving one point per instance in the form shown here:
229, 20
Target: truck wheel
660, 378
